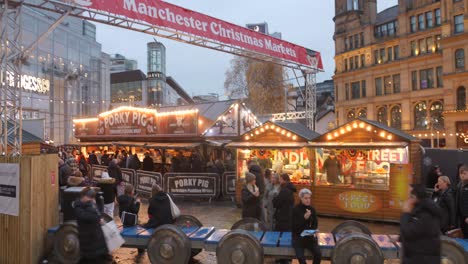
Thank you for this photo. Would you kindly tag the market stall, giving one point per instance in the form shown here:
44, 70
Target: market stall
279, 146
179, 139
363, 169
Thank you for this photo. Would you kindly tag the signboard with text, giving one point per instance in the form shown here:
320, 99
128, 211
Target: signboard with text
129, 176
9, 189
229, 183
145, 181
192, 184
358, 202
163, 14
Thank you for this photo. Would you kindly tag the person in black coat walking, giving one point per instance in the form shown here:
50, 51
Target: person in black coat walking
443, 196
256, 170
420, 228
250, 198
92, 159
304, 217
105, 159
93, 248
283, 203
159, 209
128, 203
148, 163
462, 200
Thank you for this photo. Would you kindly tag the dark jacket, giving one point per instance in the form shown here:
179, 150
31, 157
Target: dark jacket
250, 204
128, 204
333, 169
83, 166
446, 202
259, 179
107, 187
420, 234
299, 223
133, 162
284, 203
197, 165
159, 211
65, 171
148, 164
105, 159
462, 202
92, 159
92, 241
432, 178
115, 172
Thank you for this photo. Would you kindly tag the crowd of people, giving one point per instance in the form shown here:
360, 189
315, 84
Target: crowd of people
269, 197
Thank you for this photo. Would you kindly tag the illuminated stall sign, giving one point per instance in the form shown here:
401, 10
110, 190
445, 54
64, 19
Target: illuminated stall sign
248, 121
358, 202
227, 124
138, 122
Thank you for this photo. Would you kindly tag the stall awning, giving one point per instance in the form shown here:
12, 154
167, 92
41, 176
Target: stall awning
358, 144
218, 143
267, 144
158, 145
87, 144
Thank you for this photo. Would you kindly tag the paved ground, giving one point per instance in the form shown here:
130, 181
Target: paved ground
223, 215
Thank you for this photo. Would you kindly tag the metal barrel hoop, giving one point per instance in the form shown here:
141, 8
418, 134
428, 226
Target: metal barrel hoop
239, 247
188, 221
67, 244
350, 227
452, 252
357, 249
249, 224
168, 245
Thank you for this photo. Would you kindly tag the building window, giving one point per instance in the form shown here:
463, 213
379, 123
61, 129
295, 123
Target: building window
429, 21
460, 59
459, 28
421, 23
396, 83
382, 115
351, 115
413, 24
355, 90
396, 52
362, 113
363, 89
414, 48
426, 78
351, 42
345, 64
363, 60
388, 85
430, 45
422, 46
376, 56
438, 37
378, 86
361, 35
351, 63
439, 77
420, 116
347, 91
437, 118
414, 80
356, 41
390, 53
346, 43
461, 98
438, 19
395, 117
356, 62
382, 58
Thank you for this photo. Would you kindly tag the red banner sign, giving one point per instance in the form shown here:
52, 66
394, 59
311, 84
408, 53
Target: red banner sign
167, 15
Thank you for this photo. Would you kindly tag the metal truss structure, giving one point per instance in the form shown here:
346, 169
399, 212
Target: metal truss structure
69, 8
10, 78
310, 99
288, 116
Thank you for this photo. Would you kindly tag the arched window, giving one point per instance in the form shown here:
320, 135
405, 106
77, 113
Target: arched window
382, 115
395, 117
460, 59
437, 118
420, 116
351, 115
362, 113
461, 98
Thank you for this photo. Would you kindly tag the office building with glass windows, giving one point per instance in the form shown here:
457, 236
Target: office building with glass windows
404, 67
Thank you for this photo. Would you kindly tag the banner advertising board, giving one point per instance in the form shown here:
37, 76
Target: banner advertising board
129, 176
229, 183
9, 189
96, 171
145, 181
163, 14
192, 184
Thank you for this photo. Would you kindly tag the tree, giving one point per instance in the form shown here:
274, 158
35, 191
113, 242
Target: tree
260, 84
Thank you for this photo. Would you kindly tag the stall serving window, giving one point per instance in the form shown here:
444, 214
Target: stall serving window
357, 168
295, 162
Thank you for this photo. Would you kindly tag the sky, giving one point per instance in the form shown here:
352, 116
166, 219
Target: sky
308, 23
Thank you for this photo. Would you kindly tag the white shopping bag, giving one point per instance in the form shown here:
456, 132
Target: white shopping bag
112, 235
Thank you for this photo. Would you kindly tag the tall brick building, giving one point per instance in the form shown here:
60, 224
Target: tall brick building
404, 67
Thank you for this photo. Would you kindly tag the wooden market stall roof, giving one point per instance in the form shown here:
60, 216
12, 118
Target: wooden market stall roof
276, 135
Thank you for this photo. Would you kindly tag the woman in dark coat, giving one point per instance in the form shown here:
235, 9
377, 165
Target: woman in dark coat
93, 248
159, 209
148, 163
420, 229
250, 198
304, 217
444, 197
283, 203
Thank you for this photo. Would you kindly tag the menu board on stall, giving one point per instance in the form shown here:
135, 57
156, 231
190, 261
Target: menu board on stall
145, 181
192, 184
229, 183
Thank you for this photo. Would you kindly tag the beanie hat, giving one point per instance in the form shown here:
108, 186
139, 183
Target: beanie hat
249, 177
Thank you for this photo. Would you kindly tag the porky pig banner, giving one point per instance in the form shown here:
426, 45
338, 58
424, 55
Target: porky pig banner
170, 16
